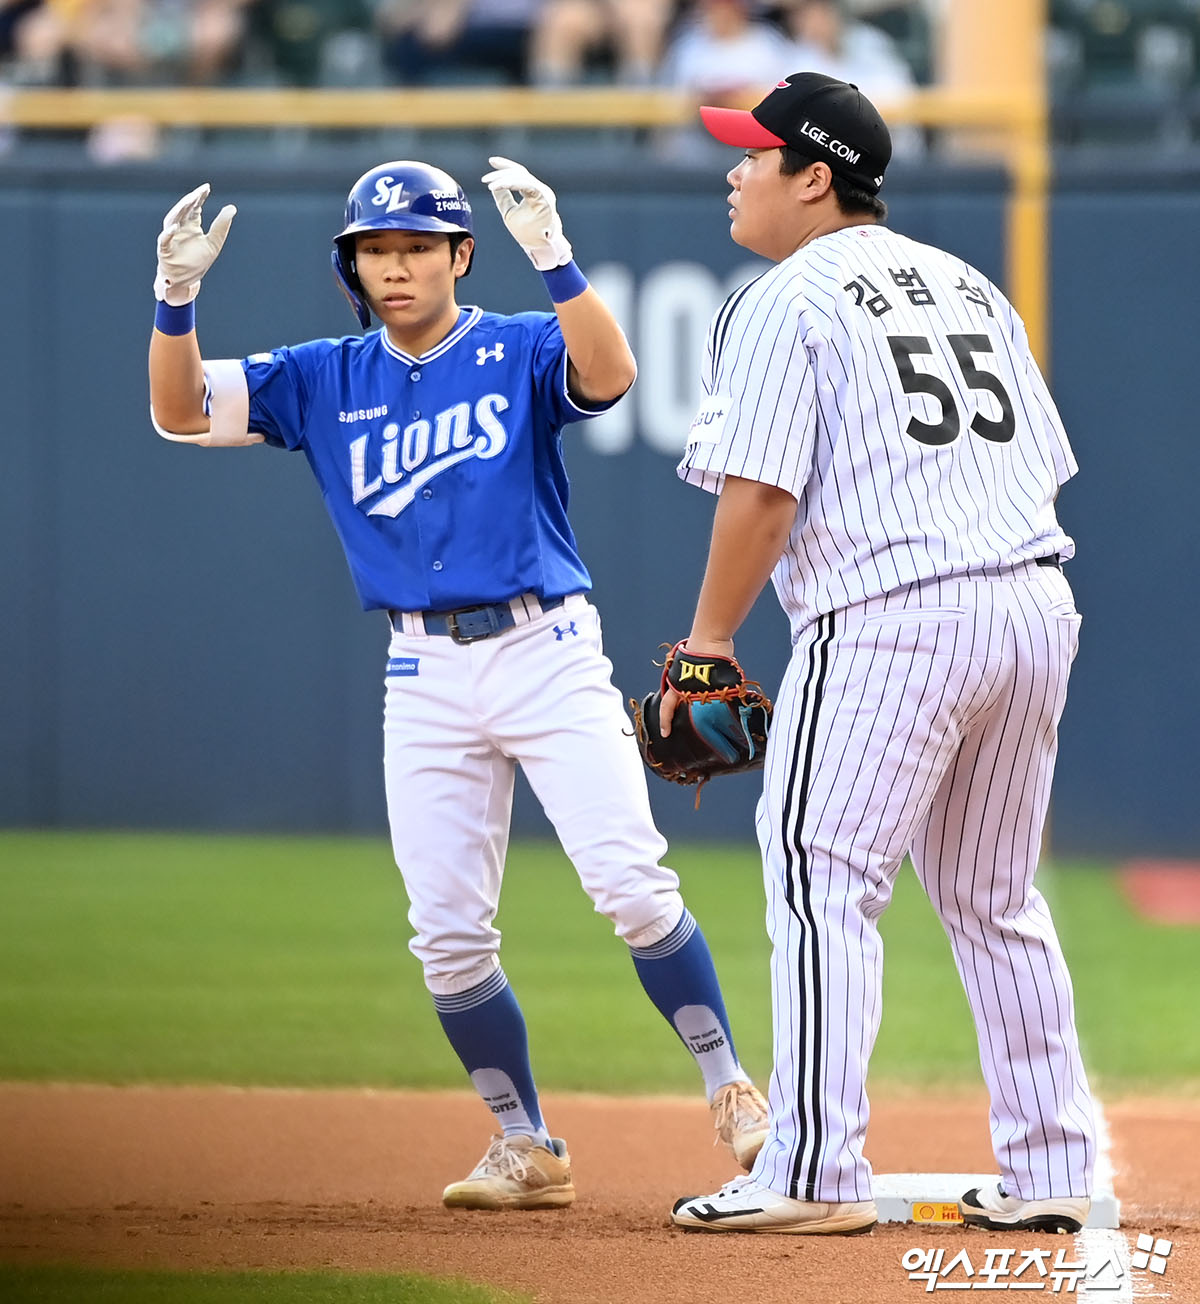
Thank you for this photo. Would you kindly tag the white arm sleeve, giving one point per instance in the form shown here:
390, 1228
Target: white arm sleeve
227, 402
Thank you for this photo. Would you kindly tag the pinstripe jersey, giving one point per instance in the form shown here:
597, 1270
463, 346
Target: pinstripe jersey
889, 387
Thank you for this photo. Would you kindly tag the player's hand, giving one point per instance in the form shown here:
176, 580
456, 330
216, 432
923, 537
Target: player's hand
185, 253
666, 712
671, 697
533, 219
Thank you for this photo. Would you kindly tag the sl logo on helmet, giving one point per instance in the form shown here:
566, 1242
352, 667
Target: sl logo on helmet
389, 192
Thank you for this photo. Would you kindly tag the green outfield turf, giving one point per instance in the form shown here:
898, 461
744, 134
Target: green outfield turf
83, 1286
139, 957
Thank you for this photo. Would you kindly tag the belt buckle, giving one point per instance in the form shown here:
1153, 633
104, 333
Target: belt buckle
458, 636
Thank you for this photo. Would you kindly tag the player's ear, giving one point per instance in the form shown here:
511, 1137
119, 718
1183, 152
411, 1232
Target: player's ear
464, 254
817, 181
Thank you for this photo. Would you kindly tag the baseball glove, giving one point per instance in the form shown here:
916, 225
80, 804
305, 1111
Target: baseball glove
720, 726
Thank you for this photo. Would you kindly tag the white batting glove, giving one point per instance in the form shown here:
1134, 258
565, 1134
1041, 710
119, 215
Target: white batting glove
532, 220
185, 253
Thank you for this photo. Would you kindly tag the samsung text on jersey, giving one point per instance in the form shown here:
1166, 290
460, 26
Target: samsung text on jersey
364, 414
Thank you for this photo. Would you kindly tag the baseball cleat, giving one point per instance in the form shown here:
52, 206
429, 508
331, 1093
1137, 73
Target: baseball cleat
744, 1206
989, 1206
516, 1174
740, 1117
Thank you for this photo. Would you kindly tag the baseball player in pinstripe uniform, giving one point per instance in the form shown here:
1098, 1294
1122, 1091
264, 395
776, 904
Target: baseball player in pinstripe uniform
886, 451
437, 443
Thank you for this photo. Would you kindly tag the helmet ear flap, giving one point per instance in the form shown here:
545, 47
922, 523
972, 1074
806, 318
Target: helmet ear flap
351, 288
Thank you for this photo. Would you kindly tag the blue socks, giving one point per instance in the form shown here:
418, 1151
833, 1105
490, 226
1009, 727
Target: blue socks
680, 978
487, 1030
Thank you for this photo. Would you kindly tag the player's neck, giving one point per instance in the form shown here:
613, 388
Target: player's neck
420, 337
835, 221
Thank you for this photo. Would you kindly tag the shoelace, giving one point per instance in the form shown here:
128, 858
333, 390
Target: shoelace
737, 1110
503, 1160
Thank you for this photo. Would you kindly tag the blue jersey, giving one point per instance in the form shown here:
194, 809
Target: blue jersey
443, 473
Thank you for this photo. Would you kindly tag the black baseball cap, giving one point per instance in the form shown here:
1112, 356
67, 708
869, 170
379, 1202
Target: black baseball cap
817, 115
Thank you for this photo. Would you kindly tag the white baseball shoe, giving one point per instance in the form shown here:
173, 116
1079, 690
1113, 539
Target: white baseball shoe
516, 1174
989, 1206
741, 1120
744, 1206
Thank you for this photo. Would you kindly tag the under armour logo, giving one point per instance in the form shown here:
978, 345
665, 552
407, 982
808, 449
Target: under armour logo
696, 670
482, 354
560, 634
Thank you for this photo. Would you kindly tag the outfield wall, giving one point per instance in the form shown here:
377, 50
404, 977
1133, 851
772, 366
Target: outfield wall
180, 645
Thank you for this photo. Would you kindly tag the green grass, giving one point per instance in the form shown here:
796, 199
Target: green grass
140, 957
85, 1286
1135, 985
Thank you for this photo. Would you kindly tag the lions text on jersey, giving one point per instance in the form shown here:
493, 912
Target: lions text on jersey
433, 467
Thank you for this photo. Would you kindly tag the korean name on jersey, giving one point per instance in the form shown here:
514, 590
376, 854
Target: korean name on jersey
888, 386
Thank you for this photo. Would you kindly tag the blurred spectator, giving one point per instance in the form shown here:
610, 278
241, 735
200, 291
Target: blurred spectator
828, 40
40, 38
214, 34
912, 24
456, 40
304, 42
127, 42
625, 37
11, 14
725, 54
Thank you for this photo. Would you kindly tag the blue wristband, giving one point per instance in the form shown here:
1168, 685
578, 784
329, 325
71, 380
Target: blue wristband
175, 321
565, 282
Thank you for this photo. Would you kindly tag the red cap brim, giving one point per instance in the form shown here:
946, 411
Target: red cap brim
738, 127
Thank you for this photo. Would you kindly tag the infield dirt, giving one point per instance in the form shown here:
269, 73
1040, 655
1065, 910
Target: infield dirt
191, 1178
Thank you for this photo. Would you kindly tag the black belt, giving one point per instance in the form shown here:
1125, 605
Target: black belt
1053, 560
470, 624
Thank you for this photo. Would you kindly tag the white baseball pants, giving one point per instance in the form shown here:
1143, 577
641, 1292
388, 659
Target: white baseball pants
924, 722
458, 719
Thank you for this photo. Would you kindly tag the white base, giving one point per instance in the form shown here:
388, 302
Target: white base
932, 1198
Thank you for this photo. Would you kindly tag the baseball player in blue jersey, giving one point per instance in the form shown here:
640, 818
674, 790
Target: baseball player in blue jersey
436, 440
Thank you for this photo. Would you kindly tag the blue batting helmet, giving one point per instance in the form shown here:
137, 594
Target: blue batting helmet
400, 196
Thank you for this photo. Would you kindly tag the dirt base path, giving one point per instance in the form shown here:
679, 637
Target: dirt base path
193, 1178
